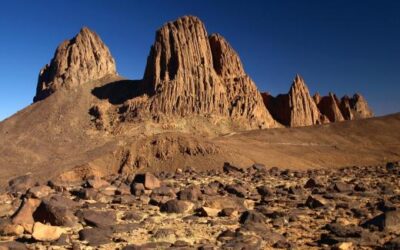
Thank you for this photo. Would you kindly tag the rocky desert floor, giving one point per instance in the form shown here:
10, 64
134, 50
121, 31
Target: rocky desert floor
258, 207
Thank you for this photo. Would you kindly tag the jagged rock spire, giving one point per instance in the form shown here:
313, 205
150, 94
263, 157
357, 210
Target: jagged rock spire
296, 108
191, 73
83, 58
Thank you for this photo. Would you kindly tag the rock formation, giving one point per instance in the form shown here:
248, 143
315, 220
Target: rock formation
296, 108
360, 107
329, 106
189, 73
83, 58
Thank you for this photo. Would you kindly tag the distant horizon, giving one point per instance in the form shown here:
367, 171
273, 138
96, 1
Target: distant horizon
338, 47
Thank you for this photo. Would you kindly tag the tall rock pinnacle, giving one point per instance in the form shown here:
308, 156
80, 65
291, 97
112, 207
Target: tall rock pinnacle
83, 58
296, 108
191, 73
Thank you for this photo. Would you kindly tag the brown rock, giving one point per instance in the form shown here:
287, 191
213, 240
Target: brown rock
209, 212
148, 180
58, 211
296, 108
83, 58
44, 232
23, 216
329, 106
177, 206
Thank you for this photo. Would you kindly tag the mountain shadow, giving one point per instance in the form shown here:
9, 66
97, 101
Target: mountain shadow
120, 91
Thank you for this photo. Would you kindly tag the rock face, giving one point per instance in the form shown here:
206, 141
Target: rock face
83, 58
348, 108
329, 106
296, 108
188, 72
355, 107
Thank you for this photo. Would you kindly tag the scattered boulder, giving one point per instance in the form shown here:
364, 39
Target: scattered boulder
96, 236
388, 221
314, 203
148, 180
42, 232
58, 211
252, 217
98, 218
177, 206
209, 212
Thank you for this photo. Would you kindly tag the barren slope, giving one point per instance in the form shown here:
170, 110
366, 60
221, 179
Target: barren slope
56, 136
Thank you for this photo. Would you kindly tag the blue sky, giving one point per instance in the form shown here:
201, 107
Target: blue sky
340, 46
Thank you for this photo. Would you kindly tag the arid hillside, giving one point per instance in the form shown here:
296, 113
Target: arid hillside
195, 107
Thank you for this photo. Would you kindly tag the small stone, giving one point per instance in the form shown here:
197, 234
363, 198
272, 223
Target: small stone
42, 232
252, 217
209, 212
229, 212
344, 246
313, 203
342, 187
192, 193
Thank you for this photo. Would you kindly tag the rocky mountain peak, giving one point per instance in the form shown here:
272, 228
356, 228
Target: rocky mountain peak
360, 106
83, 58
303, 110
191, 73
296, 108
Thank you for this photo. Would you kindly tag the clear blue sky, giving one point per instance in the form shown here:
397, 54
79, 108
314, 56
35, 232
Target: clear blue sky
340, 46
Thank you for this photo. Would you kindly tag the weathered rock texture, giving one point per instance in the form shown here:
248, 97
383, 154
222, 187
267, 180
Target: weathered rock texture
83, 58
357, 106
348, 108
329, 106
190, 73
296, 108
